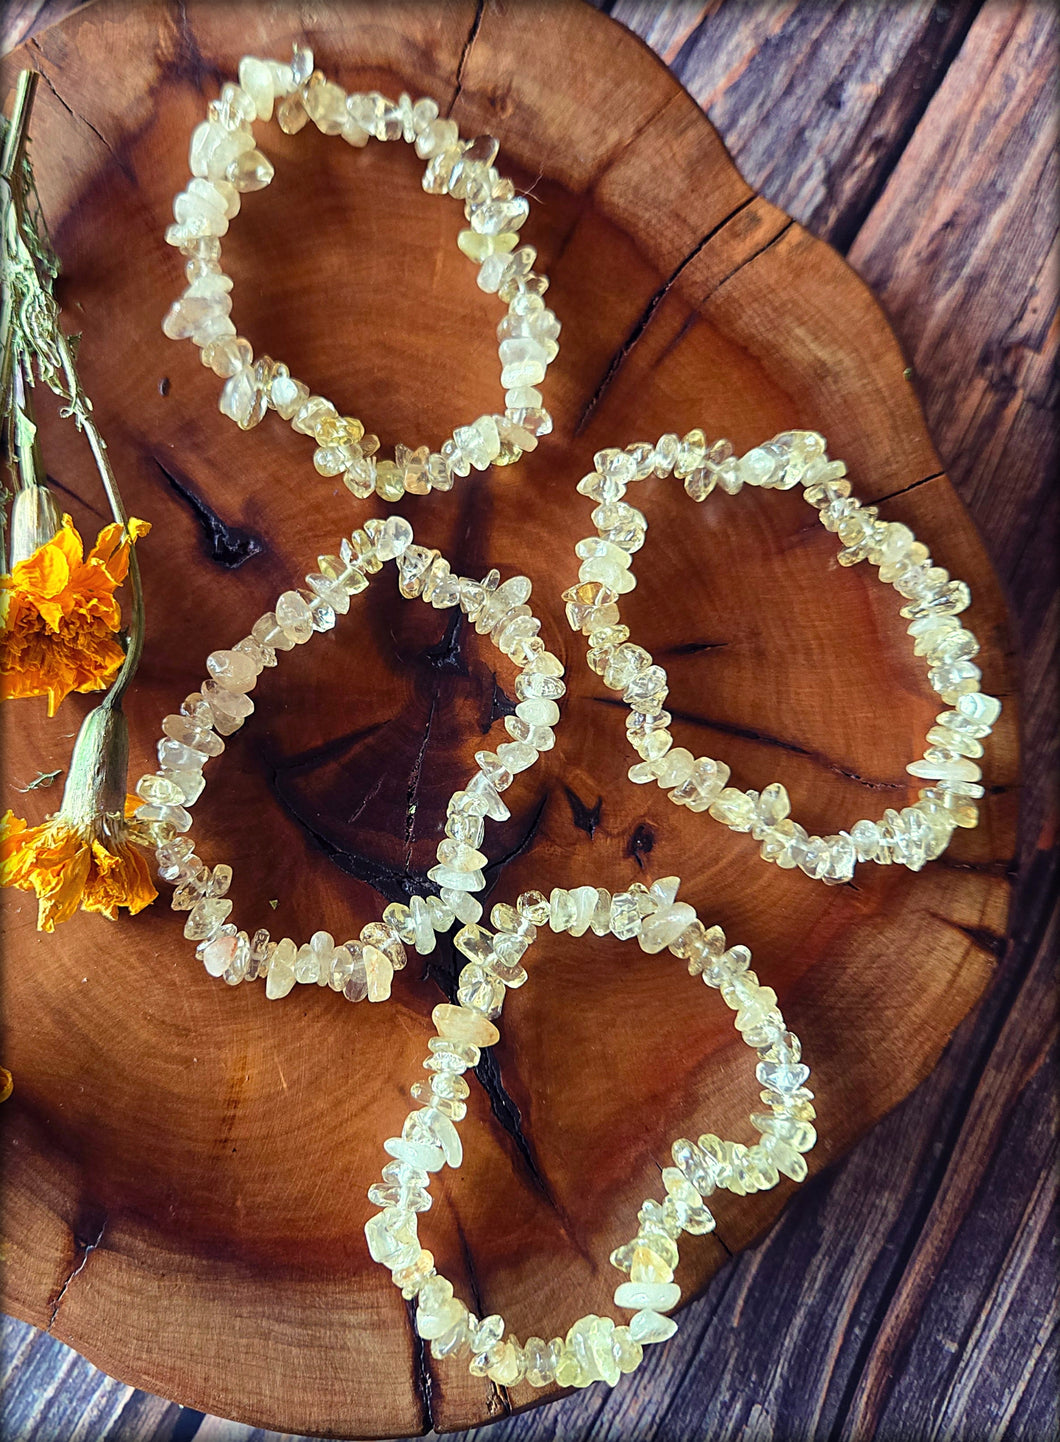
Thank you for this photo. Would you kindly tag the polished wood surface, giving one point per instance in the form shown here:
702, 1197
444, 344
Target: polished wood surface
909, 1203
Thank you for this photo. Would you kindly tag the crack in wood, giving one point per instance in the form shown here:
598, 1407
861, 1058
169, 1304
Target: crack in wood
749, 733
228, 545
693, 648
472, 36
586, 818
391, 884
904, 490
422, 1376
497, 1402
122, 164
82, 1263
413, 792
326, 751
501, 704
641, 842
641, 323
980, 936
748, 260
447, 656
1007, 868
493, 869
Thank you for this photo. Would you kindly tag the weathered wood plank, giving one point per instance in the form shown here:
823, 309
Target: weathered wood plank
50, 1394
968, 272
815, 102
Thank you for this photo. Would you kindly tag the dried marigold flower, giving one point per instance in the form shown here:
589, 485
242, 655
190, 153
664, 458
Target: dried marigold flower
59, 615
82, 856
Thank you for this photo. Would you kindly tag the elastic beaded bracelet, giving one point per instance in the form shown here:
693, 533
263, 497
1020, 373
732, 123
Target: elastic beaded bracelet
595, 1349
910, 837
365, 967
225, 162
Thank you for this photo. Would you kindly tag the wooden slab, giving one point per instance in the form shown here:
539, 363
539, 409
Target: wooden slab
186, 1165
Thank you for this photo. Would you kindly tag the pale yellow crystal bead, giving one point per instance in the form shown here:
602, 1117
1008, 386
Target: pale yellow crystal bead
485, 798
218, 955
233, 107
287, 396
628, 1353
615, 577
478, 247
664, 926
570, 1370
784, 1157
325, 105
453, 879
509, 1367
648, 1267
294, 616
280, 978
797, 1132
540, 1368
938, 766
460, 856
242, 400
946, 738
392, 1239
411, 1278
379, 971
227, 355
232, 670
458, 1023
664, 891
427, 1156
159, 789
206, 917
249, 171
256, 78
499, 216
431, 1127
441, 1316
734, 808
538, 712
268, 632
516, 756
584, 900
480, 990
648, 1326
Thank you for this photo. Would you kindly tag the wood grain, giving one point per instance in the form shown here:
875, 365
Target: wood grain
787, 1393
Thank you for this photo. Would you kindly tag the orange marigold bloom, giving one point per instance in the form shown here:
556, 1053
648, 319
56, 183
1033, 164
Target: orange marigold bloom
7, 1084
88, 863
59, 615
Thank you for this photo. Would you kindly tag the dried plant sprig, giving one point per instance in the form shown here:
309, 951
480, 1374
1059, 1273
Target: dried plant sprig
83, 856
32, 339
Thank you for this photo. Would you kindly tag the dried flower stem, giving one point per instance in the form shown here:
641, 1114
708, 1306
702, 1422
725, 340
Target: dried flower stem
31, 331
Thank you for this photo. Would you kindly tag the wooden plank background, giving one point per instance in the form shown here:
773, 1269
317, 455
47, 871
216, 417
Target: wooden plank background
910, 1292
